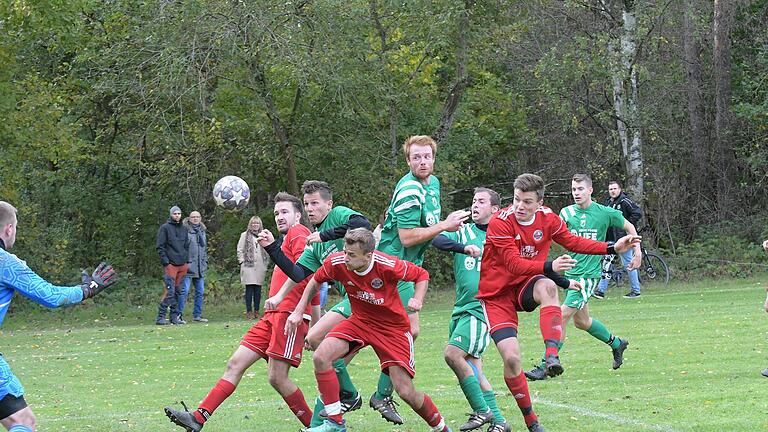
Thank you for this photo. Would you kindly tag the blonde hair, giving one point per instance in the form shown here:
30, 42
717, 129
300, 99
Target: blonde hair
582, 178
257, 219
362, 237
423, 140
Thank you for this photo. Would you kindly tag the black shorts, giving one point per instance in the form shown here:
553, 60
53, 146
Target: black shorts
10, 405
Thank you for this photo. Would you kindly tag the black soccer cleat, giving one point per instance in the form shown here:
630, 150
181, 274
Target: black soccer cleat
536, 374
618, 354
500, 427
477, 419
536, 427
184, 419
347, 405
553, 366
386, 407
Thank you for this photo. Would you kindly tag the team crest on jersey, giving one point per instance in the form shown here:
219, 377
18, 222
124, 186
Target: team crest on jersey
434, 201
583, 223
469, 263
538, 235
431, 219
377, 283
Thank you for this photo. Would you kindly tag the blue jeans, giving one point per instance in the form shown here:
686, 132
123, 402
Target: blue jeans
197, 312
323, 294
634, 280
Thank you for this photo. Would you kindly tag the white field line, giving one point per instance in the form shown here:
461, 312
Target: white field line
596, 414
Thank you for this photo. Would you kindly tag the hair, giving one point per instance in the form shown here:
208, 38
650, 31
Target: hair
582, 178
419, 140
7, 214
286, 197
362, 237
616, 182
530, 183
495, 197
312, 186
257, 219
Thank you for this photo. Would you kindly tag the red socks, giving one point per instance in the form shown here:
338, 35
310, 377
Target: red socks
551, 324
429, 413
221, 391
328, 385
298, 405
519, 388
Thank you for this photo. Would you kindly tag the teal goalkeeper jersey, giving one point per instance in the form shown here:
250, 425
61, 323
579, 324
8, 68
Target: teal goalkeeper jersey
314, 254
466, 271
413, 205
592, 223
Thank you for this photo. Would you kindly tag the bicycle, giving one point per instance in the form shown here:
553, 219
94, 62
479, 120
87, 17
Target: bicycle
653, 268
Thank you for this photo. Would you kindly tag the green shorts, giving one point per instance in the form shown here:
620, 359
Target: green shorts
406, 290
578, 299
469, 333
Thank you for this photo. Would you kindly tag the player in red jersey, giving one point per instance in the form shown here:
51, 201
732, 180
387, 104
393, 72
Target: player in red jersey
516, 276
378, 319
267, 339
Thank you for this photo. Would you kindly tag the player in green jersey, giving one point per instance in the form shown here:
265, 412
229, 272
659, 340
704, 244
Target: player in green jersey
468, 335
589, 219
412, 221
332, 224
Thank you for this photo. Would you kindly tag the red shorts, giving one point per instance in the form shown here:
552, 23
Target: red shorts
501, 311
392, 346
267, 337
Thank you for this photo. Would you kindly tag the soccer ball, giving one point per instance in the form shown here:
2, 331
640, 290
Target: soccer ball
231, 193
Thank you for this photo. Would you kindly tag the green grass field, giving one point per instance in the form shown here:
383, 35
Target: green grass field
693, 364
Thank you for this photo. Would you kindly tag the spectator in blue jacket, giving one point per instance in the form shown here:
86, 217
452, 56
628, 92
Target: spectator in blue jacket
16, 276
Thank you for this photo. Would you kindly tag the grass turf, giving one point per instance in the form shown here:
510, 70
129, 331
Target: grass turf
693, 364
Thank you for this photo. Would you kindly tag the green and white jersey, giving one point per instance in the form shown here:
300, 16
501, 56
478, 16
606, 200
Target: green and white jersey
314, 254
591, 223
466, 271
413, 205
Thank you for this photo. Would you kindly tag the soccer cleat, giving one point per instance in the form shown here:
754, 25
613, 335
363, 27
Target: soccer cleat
536, 374
162, 321
386, 407
328, 426
500, 427
347, 405
598, 295
765, 372
200, 319
553, 366
476, 420
631, 295
184, 419
618, 353
536, 427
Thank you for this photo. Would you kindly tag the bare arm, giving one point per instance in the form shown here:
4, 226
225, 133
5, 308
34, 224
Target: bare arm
297, 316
272, 302
414, 236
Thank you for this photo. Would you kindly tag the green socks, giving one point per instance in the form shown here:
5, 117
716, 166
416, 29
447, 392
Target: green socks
600, 332
490, 400
347, 390
471, 388
384, 387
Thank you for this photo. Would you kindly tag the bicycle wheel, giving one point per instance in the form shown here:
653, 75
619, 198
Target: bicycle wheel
654, 269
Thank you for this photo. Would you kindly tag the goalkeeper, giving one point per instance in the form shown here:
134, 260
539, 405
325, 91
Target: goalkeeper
15, 275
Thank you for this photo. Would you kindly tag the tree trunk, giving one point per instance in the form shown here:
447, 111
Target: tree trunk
699, 163
626, 102
281, 133
725, 163
457, 90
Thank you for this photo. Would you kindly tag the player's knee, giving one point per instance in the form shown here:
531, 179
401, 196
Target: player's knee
406, 391
581, 323
235, 367
323, 359
313, 340
276, 379
512, 360
24, 417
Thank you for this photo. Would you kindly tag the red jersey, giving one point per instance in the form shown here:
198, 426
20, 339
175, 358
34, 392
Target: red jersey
373, 293
514, 252
293, 245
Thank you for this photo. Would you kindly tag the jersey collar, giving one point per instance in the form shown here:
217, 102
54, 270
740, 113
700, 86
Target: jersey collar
366, 271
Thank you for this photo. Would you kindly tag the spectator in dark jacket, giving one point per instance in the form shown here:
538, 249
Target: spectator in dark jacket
173, 248
198, 264
632, 212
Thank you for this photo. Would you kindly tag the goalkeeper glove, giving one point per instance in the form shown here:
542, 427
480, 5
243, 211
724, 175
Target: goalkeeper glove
102, 277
